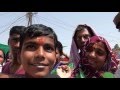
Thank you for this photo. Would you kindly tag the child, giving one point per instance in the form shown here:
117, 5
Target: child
38, 51
2, 59
14, 66
62, 59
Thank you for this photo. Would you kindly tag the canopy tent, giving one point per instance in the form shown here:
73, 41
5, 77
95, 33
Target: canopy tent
5, 48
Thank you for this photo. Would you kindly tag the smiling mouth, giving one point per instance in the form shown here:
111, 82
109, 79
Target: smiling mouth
91, 62
40, 65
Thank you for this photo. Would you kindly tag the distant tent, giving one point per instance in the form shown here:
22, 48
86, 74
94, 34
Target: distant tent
5, 48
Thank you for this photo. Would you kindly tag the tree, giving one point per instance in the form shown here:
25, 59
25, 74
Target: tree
116, 47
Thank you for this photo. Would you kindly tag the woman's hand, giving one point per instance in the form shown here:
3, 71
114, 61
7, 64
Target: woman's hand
64, 71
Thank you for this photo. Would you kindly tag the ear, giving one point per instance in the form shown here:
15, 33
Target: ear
56, 57
18, 57
56, 51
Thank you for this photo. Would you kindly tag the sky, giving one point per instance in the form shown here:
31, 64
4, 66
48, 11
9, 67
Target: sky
64, 24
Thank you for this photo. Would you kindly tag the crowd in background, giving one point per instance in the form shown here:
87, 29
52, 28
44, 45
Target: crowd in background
36, 52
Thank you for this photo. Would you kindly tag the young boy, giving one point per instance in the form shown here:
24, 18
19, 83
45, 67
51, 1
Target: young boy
14, 66
38, 51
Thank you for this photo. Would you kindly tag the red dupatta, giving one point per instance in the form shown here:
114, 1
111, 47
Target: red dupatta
109, 66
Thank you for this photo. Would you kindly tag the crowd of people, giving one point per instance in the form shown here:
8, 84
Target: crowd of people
36, 52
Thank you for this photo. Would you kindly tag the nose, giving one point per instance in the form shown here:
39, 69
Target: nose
92, 54
17, 45
40, 51
83, 39
39, 55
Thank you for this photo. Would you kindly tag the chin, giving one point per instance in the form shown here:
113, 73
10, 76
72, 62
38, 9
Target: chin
40, 75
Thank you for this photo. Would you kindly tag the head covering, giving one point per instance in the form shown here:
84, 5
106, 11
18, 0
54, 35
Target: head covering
74, 52
109, 66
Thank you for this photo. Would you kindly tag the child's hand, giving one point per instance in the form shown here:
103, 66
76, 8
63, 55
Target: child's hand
64, 71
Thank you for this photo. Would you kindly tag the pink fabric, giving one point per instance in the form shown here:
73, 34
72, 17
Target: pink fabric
74, 51
110, 65
6, 69
74, 55
20, 71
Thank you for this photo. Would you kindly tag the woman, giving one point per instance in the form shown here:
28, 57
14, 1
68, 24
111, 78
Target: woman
97, 60
81, 35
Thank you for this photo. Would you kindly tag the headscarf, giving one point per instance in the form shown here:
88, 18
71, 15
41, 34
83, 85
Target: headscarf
74, 52
109, 66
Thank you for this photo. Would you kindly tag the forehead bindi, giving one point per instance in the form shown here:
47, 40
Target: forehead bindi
41, 40
44, 40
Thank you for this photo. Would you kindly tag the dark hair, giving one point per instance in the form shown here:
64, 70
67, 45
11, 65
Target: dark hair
118, 26
36, 30
16, 30
60, 47
7, 56
82, 27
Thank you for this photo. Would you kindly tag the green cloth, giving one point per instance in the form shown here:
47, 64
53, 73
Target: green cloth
54, 72
108, 75
5, 48
71, 65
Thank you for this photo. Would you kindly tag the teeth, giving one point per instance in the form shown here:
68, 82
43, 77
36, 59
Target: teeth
40, 66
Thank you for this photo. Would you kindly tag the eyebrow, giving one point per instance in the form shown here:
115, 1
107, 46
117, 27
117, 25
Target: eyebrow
15, 38
31, 42
84, 35
101, 49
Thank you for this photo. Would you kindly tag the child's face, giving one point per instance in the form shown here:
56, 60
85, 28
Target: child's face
14, 43
1, 56
38, 56
96, 54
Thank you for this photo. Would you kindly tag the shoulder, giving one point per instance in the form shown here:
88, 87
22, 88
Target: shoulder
6, 67
7, 64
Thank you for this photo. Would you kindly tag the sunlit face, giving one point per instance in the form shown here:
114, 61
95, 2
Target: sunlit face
96, 54
1, 56
81, 37
38, 56
14, 42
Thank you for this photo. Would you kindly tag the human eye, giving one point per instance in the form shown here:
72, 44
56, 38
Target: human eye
100, 52
86, 36
30, 47
15, 40
49, 48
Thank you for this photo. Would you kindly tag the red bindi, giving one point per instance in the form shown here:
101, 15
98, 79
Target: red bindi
41, 41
